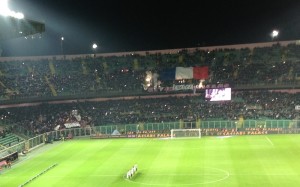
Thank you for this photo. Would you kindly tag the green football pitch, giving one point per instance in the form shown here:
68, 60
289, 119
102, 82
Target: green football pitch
262, 160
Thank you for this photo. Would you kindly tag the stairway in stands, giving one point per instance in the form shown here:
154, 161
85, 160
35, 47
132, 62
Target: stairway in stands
6, 90
52, 68
84, 68
51, 86
9, 140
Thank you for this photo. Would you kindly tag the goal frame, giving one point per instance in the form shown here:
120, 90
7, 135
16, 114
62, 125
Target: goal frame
186, 130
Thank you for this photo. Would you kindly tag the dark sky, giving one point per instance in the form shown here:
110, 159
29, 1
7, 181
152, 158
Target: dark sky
120, 25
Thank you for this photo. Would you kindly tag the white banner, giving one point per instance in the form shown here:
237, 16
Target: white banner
297, 107
183, 87
57, 127
71, 125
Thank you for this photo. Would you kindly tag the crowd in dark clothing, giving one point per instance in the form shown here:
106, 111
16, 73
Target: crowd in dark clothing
46, 78
247, 104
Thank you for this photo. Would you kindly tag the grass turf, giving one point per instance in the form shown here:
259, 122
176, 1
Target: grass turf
261, 160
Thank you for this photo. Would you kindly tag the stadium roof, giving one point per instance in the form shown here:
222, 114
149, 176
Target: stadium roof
11, 27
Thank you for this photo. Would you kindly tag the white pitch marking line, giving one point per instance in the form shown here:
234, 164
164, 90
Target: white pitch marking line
269, 141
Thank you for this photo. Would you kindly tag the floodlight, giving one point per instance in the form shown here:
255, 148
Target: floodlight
17, 15
5, 11
275, 33
94, 46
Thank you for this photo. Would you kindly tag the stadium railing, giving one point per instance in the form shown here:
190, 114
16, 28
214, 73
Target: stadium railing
203, 124
207, 127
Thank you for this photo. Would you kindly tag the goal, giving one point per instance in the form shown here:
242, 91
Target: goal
186, 133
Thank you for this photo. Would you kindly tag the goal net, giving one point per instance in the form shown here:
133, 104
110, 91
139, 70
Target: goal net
186, 133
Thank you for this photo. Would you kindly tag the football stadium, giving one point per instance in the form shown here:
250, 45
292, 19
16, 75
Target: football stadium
206, 116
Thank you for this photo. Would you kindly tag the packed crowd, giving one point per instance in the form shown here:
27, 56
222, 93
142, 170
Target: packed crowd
114, 74
246, 104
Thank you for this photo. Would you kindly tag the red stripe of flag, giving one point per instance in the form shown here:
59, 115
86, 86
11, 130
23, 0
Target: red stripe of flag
200, 72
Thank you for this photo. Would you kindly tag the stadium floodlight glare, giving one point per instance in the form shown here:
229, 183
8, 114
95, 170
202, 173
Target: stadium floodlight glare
5, 11
94, 46
274, 33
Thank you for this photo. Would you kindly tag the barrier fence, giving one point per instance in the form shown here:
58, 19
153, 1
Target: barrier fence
207, 127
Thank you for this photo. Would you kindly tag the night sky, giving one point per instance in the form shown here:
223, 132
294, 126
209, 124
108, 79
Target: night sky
118, 26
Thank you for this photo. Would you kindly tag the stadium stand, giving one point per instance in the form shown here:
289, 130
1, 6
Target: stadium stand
256, 105
9, 140
110, 89
86, 76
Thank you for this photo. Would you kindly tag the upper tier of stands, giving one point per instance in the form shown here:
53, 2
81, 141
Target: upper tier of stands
266, 65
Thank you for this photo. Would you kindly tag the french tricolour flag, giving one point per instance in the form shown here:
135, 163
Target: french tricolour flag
180, 73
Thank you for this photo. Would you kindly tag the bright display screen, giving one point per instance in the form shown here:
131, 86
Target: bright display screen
218, 94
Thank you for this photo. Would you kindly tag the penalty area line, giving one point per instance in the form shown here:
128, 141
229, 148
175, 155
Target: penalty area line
269, 141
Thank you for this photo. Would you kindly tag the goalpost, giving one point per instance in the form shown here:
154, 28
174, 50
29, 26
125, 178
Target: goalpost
186, 133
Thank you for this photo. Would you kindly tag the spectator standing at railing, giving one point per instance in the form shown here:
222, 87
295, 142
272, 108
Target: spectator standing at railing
8, 163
